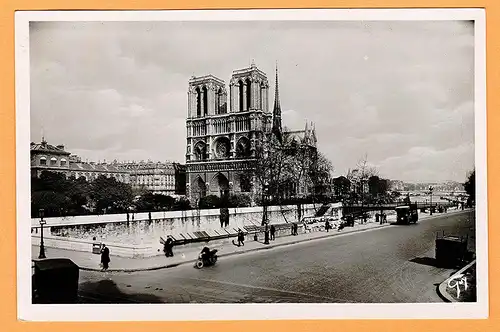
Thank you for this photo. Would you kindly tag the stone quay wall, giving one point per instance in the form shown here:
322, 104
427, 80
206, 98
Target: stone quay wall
141, 231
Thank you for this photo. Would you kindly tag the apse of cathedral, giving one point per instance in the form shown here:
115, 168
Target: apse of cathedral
224, 127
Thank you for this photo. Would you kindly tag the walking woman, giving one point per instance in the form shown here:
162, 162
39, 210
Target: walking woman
105, 257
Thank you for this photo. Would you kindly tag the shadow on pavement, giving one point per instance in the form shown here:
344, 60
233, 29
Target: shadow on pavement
106, 291
425, 261
405, 225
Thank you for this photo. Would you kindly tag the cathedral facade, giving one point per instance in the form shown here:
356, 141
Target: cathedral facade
223, 130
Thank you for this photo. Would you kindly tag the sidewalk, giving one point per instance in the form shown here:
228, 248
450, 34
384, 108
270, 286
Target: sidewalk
90, 262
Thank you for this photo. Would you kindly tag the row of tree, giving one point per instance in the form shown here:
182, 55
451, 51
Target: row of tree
61, 196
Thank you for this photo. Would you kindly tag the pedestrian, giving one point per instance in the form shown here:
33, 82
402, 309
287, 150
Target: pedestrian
266, 234
327, 226
105, 257
273, 233
293, 229
167, 249
241, 238
296, 229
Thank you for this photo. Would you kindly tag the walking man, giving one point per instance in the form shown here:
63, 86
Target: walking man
105, 257
241, 238
167, 249
273, 233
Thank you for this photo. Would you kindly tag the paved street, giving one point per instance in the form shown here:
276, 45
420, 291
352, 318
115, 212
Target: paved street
392, 264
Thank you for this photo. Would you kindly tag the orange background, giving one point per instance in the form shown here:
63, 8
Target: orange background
8, 312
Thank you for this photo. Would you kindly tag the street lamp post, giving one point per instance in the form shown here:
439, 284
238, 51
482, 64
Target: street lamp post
41, 255
264, 203
430, 190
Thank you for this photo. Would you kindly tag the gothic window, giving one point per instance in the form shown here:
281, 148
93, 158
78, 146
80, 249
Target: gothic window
241, 94
218, 96
200, 151
222, 147
262, 95
198, 102
249, 93
243, 148
205, 101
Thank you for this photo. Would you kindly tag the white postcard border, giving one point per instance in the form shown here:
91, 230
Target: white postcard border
189, 312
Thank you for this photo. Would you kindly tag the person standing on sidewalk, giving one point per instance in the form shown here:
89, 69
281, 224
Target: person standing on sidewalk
105, 257
241, 238
273, 233
327, 226
169, 244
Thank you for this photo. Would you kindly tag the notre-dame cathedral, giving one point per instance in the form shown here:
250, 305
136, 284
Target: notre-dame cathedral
222, 138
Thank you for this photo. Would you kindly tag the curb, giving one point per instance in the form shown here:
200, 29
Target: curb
443, 286
192, 261
264, 247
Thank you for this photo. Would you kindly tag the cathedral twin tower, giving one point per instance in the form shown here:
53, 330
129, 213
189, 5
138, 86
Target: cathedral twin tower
221, 138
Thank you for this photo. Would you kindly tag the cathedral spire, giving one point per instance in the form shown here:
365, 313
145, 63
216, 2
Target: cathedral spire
277, 109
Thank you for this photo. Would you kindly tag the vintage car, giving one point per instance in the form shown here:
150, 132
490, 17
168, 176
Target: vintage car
407, 214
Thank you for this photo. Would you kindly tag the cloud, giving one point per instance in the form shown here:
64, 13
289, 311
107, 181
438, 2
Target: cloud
119, 89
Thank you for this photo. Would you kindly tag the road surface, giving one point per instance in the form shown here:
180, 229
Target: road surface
389, 265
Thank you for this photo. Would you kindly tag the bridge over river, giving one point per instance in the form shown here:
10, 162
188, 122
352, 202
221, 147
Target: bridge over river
357, 208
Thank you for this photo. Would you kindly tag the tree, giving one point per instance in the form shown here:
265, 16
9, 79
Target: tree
209, 202
181, 204
359, 177
79, 195
470, 187
320, 174
239, 200
53, 203
110, 195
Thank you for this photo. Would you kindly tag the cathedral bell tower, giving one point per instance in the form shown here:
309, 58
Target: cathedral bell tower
222, 134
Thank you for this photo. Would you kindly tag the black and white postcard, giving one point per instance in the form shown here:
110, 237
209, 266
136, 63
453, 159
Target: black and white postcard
251, 164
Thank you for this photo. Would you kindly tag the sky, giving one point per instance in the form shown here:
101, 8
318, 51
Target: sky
401, 93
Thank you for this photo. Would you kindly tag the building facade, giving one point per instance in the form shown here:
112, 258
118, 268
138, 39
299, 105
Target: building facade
47, 157
158, 177
222, 138
165, 178
222, 141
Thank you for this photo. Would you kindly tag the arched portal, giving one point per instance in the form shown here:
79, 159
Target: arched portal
220, 185
199, 189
